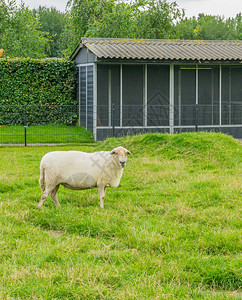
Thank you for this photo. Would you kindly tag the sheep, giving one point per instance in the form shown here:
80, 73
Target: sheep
80, 170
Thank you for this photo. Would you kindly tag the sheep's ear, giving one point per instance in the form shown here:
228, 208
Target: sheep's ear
113, 152
128, 152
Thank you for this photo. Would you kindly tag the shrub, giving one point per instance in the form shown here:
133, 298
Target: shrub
41, 83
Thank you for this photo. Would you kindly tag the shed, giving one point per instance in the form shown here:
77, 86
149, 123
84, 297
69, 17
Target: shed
136, 85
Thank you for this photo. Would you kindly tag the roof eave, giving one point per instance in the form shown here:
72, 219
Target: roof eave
167, 61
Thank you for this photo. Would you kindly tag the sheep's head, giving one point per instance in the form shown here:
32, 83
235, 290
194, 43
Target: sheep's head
120, 155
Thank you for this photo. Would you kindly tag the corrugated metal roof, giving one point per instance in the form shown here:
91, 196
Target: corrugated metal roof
139, 49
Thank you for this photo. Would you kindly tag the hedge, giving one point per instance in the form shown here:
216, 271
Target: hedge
40, 84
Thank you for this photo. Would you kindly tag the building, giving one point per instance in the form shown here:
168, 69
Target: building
128, 85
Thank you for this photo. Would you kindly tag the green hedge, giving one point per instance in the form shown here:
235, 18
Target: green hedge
47, 82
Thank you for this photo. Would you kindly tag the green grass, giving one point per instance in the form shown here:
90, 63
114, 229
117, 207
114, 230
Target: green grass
45, 134
171, 230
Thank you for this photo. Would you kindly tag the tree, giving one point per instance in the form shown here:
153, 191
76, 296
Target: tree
82, 14
157, 18
207, 27
47, 32
52, 22
238, 26
113, 18
119, 21
151, 19
20, 32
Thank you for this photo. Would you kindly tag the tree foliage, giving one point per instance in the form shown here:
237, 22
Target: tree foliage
53, 23
207, 27
112, 18
82, 14
20, 32
149, 19
47, 32
138, 19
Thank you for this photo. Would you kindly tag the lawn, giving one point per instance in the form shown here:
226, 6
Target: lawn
171, 230
44, 134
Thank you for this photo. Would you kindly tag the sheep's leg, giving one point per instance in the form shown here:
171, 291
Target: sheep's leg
43, 198
102, 192
46, 193
54, 197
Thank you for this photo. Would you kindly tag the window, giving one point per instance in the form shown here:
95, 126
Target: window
132, 95
231, 95
86, 96
185, 95
158, 95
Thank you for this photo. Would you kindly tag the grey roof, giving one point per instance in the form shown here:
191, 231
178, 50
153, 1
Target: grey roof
164, 50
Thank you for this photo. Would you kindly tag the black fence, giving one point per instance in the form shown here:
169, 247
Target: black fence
116, 120
165, 115
42, 124
48, 124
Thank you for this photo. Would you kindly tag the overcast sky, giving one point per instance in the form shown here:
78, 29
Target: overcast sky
226, 8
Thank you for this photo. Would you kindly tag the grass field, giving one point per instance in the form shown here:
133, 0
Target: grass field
171, 230
45, 134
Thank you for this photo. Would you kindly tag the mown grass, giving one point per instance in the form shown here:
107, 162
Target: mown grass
45, 134
171, 230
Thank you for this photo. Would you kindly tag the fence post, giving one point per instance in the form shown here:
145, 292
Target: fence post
196, 117
113, 128
25, 125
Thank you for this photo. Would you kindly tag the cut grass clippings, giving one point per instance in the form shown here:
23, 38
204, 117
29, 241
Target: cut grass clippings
171, 230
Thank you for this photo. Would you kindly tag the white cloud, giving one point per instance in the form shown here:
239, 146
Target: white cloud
212, 7
58, 4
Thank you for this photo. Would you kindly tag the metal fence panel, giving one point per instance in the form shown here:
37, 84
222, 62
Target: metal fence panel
41, 124
48, 124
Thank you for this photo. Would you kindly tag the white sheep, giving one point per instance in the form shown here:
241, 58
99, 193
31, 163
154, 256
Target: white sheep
80, 170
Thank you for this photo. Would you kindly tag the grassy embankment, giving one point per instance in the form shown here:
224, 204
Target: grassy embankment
170, 231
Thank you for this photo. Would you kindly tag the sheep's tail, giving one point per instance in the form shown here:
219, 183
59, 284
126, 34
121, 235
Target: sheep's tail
42, 178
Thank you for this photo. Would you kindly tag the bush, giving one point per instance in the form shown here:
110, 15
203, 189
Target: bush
47, 82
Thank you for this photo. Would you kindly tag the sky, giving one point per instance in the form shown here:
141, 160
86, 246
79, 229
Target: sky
226, 8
